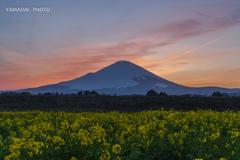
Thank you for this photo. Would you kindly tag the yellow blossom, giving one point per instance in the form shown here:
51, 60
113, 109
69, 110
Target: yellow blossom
116, 148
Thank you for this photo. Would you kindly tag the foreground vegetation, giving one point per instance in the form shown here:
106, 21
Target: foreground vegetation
161, 135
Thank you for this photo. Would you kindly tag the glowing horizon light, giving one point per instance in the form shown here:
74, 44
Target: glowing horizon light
184, 42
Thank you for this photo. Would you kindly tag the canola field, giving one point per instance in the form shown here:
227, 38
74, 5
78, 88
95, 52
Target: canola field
160, 135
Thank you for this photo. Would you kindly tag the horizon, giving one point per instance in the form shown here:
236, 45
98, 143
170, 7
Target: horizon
106, 67
194, 44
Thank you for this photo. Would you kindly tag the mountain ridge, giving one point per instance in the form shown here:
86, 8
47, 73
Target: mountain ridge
125, 78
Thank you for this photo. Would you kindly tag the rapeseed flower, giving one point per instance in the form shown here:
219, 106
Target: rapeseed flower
116, 149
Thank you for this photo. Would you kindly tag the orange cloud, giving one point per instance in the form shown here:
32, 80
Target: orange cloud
20, 70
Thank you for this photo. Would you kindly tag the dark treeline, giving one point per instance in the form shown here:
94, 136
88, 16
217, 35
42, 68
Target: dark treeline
87, 92
93, 101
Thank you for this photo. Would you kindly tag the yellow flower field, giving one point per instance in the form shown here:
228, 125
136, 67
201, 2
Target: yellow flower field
161, 135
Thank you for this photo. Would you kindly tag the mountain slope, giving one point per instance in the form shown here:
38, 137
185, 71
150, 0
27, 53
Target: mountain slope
121, 74
124, 78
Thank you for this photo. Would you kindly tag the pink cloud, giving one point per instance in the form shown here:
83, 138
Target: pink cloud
213, 20
65, 64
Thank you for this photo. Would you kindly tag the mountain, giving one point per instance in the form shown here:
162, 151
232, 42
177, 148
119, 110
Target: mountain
124, 78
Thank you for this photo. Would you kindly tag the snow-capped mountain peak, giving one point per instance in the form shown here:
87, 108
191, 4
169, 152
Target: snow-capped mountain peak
121, 74
125, 78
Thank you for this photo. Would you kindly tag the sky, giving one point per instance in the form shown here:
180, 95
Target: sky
192, 43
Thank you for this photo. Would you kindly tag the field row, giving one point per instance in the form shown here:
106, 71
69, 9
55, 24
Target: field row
162, 135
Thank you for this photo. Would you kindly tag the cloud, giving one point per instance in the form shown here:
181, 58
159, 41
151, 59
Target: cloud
64, 64
202, 23
223, 74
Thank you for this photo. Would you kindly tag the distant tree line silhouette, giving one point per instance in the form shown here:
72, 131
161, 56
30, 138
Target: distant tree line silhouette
218, 94
163, 94
94, 93
87, 92
154, 93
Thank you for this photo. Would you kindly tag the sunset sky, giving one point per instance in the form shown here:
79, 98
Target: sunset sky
192, 43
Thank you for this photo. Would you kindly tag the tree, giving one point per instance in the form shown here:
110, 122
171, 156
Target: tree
86, 92
151, 93
26, 93
217, 94
47, 94
93, 93
163, 94
80, 93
